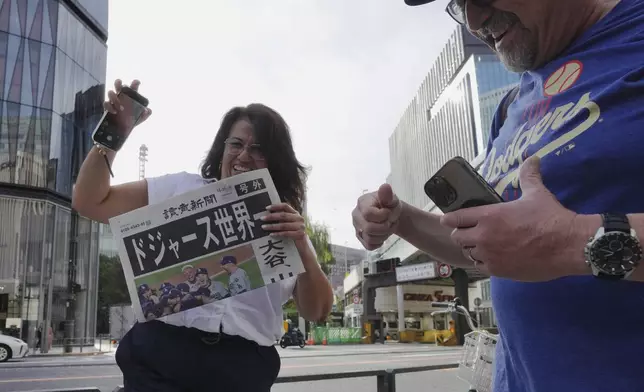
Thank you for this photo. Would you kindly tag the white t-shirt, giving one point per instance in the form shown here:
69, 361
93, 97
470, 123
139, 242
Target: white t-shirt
256, 315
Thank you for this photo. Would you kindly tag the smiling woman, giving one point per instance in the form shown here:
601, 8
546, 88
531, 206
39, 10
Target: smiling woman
265, 137
226, 339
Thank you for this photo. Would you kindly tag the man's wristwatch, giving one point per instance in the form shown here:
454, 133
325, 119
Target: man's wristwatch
614, 251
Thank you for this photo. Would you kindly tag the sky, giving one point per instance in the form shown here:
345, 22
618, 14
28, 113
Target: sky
340, 72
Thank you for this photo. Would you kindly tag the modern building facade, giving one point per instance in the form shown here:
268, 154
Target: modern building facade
416, 304
107, 245
450, 116
52, 85
345, 258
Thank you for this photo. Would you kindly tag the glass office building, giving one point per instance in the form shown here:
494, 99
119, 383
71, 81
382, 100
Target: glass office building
450, 115
52, 85
493, 82
107, 245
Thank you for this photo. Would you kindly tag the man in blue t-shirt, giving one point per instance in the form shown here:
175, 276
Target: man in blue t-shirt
565, 154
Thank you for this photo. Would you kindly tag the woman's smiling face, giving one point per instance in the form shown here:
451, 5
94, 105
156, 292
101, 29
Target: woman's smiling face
241, 153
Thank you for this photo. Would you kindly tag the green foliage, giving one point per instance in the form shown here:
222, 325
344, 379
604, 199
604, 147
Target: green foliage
112, 290
339, 303
290, 307
319, 235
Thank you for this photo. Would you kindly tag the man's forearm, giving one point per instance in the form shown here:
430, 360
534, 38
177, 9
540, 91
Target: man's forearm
585, 227
424, 230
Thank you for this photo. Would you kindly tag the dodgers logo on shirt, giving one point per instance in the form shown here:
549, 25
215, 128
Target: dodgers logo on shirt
542, 130
563, 78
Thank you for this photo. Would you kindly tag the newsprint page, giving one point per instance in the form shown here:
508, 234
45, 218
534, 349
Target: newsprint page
202, 246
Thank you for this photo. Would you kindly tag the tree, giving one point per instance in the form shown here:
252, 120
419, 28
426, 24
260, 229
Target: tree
339, 303
112, 290
319, 235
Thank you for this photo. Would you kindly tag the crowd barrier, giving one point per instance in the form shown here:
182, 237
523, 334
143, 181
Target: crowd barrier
336, 335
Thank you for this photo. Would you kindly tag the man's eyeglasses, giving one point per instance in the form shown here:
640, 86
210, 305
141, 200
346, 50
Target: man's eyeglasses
235, 147
456, 9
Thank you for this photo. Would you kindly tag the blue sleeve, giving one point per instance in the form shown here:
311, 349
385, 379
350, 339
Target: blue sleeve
498, 119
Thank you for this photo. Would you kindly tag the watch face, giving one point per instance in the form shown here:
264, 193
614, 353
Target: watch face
616, 253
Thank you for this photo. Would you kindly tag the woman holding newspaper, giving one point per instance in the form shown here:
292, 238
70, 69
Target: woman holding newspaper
225, 345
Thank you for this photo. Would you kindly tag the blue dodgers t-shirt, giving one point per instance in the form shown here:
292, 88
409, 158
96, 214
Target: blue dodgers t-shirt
583, 114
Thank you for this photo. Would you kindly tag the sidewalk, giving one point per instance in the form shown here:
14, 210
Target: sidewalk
102, 346
290, 352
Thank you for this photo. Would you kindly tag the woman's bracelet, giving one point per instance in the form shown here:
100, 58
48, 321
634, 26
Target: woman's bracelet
103, 152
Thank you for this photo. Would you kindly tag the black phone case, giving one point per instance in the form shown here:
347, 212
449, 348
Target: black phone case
135, 95
115, 144
471, 189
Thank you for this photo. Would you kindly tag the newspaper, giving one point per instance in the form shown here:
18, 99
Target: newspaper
202, 246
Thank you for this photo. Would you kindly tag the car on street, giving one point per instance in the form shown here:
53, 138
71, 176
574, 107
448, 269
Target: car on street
11, 347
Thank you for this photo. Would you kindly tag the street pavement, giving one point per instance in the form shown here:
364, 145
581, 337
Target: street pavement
40, 373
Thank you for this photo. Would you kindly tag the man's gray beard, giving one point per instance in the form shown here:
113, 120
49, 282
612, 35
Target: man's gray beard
519, 58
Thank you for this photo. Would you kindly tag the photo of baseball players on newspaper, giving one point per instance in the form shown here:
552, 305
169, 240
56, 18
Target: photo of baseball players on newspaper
202, 246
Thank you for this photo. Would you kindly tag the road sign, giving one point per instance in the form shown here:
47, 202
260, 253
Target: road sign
444, 270
477, 302
356, 299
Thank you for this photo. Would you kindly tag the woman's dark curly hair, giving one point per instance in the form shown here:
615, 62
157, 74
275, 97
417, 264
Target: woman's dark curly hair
273, 135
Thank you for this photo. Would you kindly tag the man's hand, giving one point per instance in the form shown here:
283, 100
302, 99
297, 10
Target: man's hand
529, 239
376, 216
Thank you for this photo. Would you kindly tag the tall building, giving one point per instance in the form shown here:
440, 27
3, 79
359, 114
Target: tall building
107, 245
143, 158
52, 85
450, 116
345, 258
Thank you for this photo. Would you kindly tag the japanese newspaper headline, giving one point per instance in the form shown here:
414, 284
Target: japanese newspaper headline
202, 246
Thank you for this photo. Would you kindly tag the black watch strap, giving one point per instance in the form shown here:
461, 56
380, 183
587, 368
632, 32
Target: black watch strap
616, 222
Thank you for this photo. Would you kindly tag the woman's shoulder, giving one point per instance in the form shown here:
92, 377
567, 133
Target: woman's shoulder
169, 185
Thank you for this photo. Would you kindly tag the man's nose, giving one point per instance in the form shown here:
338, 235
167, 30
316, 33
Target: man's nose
476, 16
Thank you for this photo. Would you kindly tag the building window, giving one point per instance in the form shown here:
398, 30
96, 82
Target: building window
485, 290
487, 318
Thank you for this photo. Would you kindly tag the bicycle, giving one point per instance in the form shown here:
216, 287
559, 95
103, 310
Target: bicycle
477, 357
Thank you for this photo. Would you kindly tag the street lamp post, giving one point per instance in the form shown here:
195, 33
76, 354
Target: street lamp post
477, 308
346, 260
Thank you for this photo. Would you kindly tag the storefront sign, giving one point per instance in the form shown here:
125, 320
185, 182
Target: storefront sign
416, 272
438, 296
